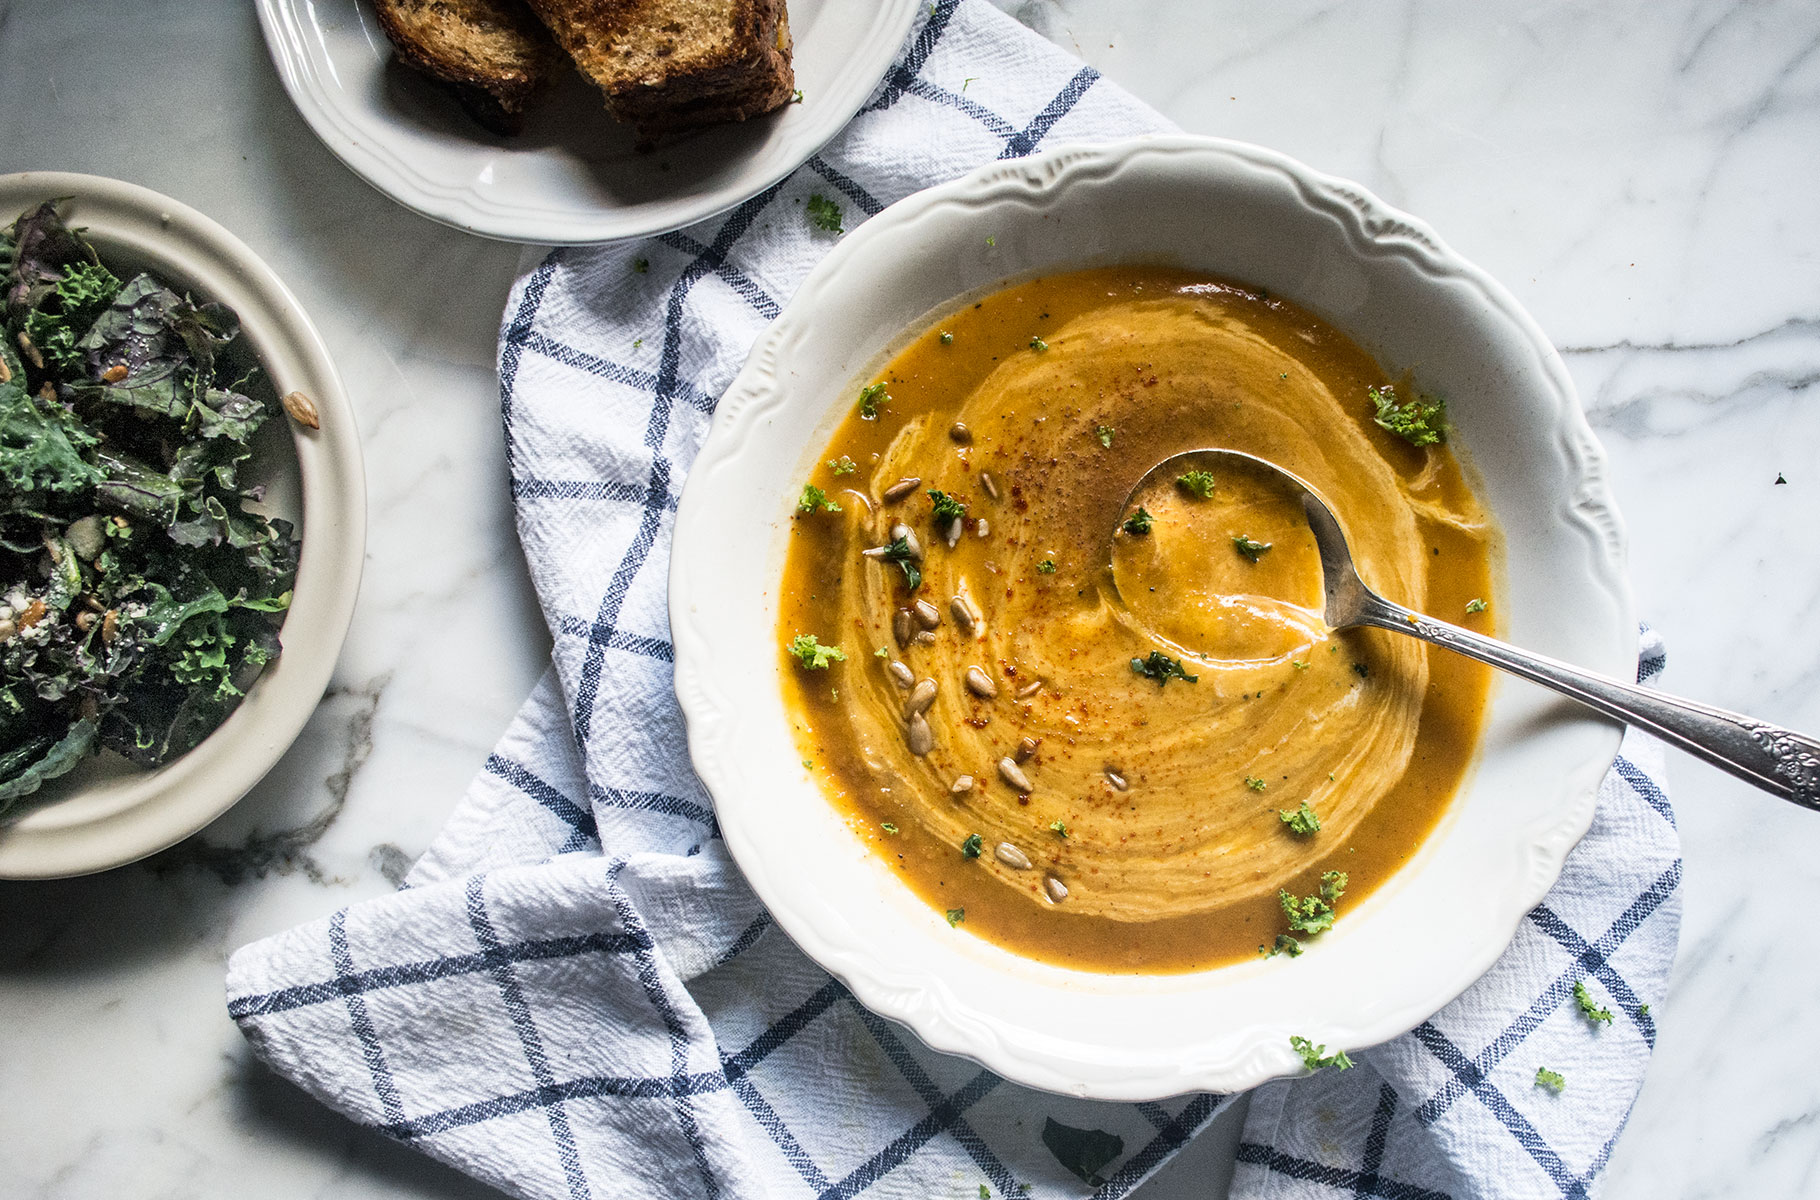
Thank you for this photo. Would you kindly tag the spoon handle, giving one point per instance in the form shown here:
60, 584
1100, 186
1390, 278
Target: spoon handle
1775, 759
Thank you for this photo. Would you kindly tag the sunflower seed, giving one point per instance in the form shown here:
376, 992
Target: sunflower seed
981, 529
925, 637
901, 626
1025, 748
927, 615
1116, 780
900, 674
302, 410
961, 786
980, 683
1012, 857
954, 532
964, 616
1058, 891
1014, 775
900, 489
921, 697
960, 433
919, 735
1030, 689
913, 547
989, 483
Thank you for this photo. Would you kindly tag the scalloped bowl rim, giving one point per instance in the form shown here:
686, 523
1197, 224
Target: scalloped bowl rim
119, 820
1374, 272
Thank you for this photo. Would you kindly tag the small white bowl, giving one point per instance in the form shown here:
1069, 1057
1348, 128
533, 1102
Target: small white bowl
1375, 273
107, 812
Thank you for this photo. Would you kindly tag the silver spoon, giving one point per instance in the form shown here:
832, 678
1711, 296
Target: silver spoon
1777, 760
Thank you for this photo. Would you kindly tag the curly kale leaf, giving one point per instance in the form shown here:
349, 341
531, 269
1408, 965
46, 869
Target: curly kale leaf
43, 249
42, 445
63, 317
24, 769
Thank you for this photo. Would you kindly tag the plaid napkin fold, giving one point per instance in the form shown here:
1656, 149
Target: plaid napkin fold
575, 994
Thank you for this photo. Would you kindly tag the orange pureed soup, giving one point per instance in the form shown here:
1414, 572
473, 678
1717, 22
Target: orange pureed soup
1136, 720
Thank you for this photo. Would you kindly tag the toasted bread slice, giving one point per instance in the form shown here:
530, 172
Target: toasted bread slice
492, 54
666, 65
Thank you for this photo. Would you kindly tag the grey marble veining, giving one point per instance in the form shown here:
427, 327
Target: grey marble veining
1642, 176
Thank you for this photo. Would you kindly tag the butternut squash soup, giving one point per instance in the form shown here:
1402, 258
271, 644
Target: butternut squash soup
1114, 732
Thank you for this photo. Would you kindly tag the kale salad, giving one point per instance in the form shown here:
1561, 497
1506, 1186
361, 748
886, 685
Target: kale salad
139, 594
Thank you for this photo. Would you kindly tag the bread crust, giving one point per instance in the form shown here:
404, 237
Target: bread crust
491, 55
662, 71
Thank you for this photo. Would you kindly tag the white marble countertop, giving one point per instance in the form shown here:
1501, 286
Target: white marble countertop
1644, 176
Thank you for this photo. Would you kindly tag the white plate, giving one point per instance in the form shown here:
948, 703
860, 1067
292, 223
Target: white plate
108, 812
1375, 273
572, 176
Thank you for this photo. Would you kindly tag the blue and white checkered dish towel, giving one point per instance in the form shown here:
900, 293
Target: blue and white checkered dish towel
576, 995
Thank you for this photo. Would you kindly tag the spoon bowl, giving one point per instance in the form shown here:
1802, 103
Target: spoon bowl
1777, 760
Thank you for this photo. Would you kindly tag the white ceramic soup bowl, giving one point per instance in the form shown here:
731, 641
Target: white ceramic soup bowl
108, 812
1376, 274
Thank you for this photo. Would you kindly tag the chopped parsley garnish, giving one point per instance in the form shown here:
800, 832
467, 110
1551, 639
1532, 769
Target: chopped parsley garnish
1105, 434
1284, 945
1475, 606
1642, 1010
1554, 1081
1300, 664
1162, 668
985, 1192
813, 655
814, 499
881, 652
971, 847
842, 465
1418, 421
1315, 1058
824, 214
1254, 783
1301, 821
1250, 549
1592, 1011
796, 97
990, 240
1057, 828
956, 916
888, 827
870, 397
947, 508
1314, 914
899, 552
1200, 483
1038, 344
1046, 567
947, 338
1138, 523
641, 265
